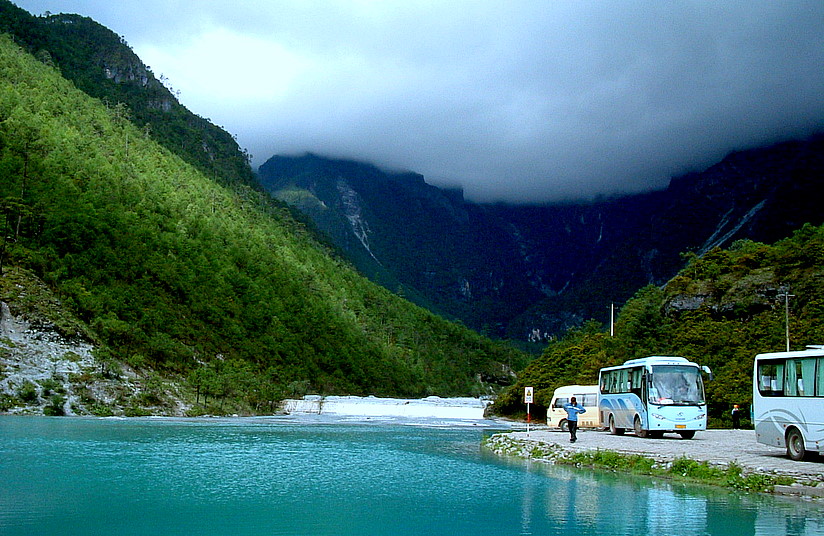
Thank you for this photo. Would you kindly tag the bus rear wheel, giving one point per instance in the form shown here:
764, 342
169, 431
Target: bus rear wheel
687, 434
639, 429
795, 445
612, 429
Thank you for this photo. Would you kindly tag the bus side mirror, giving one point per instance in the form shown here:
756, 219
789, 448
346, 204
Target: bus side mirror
707, 370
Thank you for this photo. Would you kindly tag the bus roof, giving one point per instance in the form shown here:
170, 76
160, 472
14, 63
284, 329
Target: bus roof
811, 351
654, 360
577, 389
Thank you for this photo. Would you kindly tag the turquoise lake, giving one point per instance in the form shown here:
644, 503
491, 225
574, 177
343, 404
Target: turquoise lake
321, 476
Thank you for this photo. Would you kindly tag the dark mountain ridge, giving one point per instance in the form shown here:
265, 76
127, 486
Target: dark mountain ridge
533, 271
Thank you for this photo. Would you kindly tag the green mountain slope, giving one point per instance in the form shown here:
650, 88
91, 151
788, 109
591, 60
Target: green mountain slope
100, 63
174, 272
721, 310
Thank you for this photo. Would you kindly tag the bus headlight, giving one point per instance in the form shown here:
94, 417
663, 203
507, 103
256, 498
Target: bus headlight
701, 416
657, 416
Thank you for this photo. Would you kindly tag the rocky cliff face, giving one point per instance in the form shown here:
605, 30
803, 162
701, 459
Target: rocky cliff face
526, 272
48, 366
38, 366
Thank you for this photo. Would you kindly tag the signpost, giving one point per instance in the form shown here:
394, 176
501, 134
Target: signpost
528, 399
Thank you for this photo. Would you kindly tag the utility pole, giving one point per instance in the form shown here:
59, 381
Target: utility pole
611, 319
787, 297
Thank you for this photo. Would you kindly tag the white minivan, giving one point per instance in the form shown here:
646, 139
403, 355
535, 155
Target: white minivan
586, 395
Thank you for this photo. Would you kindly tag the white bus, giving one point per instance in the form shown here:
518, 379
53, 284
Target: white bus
653, 395
586, 395
788, 401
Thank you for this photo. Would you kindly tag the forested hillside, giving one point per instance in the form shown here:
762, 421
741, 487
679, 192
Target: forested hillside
721, 310
101, 64
169, 271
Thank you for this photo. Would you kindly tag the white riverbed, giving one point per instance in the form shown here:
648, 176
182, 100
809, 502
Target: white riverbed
465, 408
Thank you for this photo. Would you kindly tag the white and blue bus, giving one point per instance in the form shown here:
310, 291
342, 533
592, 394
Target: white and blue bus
653, 395
788, 401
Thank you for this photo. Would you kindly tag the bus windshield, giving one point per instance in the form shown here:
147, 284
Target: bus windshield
676, 385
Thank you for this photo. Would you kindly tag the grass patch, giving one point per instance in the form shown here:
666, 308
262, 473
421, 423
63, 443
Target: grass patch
681, 469
613, 461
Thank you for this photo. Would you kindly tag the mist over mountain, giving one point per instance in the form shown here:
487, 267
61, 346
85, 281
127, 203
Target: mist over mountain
517, 101
529, 272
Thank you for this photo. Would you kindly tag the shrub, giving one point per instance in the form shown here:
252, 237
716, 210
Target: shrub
100, 409
7, 402
27, 392
52, 385
55, 407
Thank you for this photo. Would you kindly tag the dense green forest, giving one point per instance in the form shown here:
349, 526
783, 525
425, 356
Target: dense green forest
101, 64
721, 310
170, 271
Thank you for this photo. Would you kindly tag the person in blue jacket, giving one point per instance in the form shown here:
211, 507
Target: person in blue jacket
573, 408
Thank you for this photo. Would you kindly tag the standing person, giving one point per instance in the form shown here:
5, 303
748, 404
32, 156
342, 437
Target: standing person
573, 408
736, 416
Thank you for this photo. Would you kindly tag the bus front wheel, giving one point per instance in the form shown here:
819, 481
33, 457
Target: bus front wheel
612, 429
639, 429
564, 425
795, 445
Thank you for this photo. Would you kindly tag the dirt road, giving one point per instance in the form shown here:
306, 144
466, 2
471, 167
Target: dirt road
717, 447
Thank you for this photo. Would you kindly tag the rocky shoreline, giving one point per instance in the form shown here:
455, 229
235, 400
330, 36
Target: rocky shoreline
718, 448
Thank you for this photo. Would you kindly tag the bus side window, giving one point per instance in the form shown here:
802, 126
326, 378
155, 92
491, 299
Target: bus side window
559, 402
791, 379
804, 376
636, 382
605, 376
623, 384
819, 381
771, 378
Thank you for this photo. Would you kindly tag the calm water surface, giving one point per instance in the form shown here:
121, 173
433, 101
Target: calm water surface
314, 476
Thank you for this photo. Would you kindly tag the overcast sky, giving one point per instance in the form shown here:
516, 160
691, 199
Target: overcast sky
512, 100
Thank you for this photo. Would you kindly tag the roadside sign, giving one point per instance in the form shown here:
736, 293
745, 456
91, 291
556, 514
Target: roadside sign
528, 395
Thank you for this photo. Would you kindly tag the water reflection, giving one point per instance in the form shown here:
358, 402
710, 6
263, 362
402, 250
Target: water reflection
581, 501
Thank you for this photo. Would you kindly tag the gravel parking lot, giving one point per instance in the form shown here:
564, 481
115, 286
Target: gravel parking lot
712, 446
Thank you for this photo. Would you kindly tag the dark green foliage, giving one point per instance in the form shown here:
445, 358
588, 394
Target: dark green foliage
55, 406
175, 273
720, 311
101, 64
27, 392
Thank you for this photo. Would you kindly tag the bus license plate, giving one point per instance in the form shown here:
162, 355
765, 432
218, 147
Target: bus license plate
680, 425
